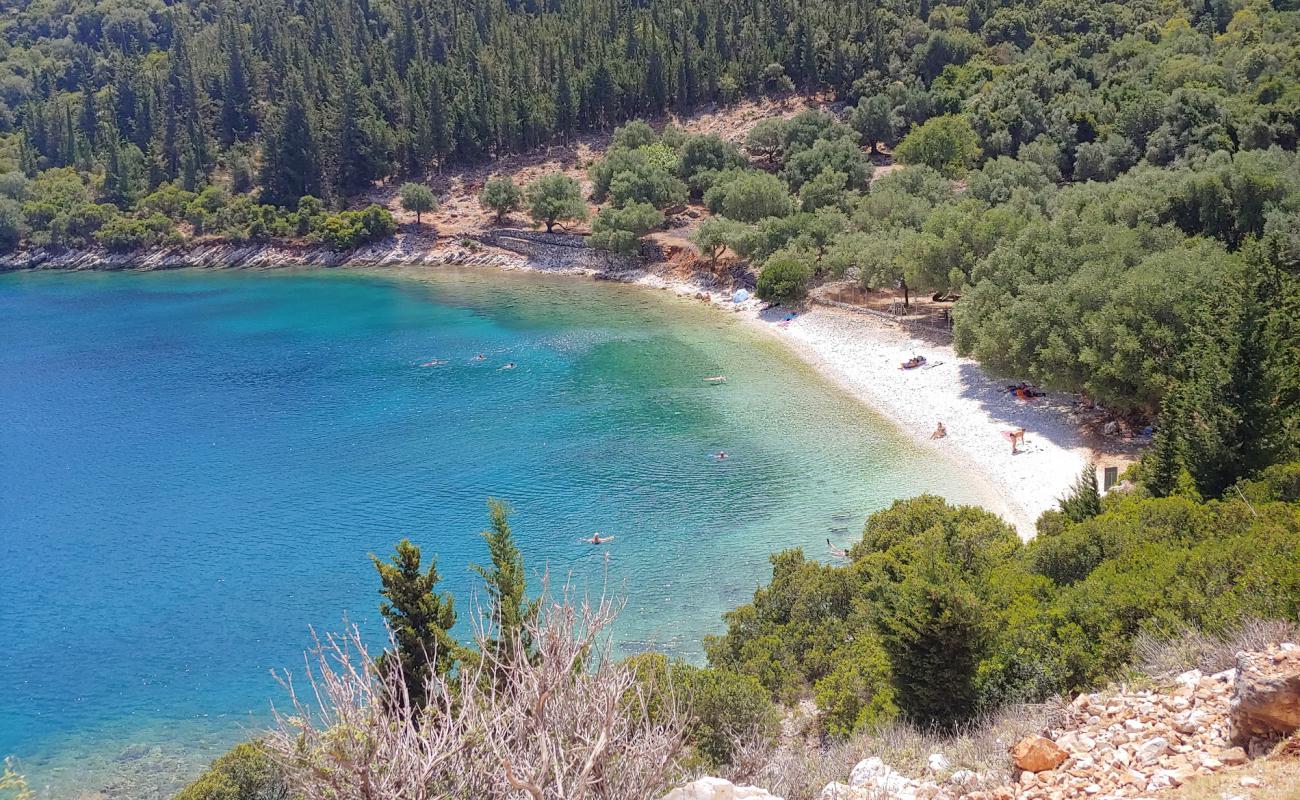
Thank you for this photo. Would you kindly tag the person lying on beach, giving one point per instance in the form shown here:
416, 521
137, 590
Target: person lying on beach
596, 538
939, 432
1015, 437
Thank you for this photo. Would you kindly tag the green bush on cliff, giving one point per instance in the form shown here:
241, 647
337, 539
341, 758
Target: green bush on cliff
726, 709
942, 613
246, 772
348, 230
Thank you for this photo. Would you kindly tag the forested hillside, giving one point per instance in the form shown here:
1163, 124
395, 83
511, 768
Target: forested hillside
324, 97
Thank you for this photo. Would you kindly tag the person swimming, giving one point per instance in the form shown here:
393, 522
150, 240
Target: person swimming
510, 365
479, 357
716, 379
437, 362
721, 455
596, 538
835, 551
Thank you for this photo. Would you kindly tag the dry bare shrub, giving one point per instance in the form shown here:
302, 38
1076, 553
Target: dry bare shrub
799, 769
563, 723
1163, 658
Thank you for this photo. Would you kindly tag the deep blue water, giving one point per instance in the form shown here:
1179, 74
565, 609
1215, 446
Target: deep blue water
194, 468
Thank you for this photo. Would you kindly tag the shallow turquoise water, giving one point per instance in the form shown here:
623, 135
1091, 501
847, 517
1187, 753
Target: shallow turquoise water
194, 467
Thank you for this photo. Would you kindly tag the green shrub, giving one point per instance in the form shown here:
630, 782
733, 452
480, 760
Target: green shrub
501, 195
725, 709
246, 772
348, 230
785, 278
620, 230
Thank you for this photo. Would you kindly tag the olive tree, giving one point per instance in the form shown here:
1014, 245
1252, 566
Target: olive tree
417, 198
501, 195
555, 198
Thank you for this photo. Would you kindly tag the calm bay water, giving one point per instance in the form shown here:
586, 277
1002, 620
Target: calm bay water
194, 467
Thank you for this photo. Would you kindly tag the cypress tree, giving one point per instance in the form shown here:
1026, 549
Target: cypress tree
237, 120
510, 608
1084, 500
292, 160
420, 619
1165, 461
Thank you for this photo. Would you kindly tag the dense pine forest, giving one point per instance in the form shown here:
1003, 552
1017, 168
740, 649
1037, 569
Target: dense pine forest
235, 110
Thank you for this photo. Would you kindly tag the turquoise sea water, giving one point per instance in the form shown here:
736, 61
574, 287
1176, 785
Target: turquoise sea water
194, 467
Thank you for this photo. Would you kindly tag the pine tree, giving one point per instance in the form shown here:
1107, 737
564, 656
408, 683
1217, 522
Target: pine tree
420, 619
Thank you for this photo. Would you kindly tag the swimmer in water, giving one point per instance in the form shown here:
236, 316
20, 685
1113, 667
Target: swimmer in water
721, 455
437, 362
479, 357
716, 379
511, 365
596, 538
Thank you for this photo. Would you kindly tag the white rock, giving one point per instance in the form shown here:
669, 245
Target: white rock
841, 791
1147, 752
1189, 678
872, 773
709, 788
1250, 781
1134, 725
937, 763
964, 777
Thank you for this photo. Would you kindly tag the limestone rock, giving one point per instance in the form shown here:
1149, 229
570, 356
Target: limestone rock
717, 789
872, 773
1037, 754
1265, 704
1151, 750
937, 763
842, 791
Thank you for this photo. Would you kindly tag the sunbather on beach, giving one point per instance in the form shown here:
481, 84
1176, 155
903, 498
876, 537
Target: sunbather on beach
939, 431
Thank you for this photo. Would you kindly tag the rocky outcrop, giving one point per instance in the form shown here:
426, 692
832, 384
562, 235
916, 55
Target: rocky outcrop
400, 249
1125, 743
1266, 697
717, 789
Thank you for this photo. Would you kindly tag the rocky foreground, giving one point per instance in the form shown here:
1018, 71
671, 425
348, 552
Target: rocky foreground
1122, 743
